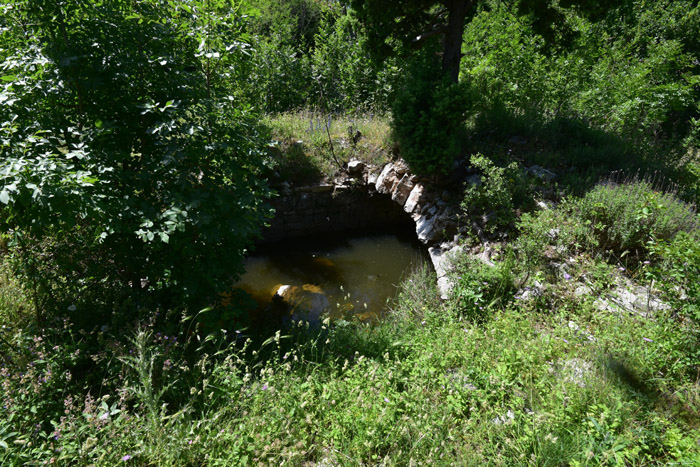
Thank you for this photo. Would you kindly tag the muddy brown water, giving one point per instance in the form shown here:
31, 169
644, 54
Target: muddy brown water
337, 276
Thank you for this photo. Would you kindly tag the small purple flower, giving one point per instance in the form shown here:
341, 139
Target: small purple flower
567, 276
621, 268
647, 339
422, 322
564, 340
126, 458
386, 400
647, 262
265, 386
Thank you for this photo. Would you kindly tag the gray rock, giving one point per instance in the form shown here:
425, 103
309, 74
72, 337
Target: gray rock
356, 167
541, 173
414, 198
474, 180
402, 191
577, 371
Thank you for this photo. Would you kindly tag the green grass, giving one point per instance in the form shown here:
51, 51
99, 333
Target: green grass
426, 386
489, 377
302, 152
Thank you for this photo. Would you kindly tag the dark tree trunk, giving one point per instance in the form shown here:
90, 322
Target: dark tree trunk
452, 49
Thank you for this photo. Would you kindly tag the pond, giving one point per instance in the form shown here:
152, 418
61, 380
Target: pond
336, 276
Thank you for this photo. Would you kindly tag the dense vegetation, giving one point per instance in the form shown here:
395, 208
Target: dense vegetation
141, 142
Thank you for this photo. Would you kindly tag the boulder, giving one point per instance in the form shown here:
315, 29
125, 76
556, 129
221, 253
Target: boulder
308, 299
356, 167
402, 190
414, 198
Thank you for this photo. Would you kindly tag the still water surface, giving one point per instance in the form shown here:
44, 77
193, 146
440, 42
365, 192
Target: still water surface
341, 277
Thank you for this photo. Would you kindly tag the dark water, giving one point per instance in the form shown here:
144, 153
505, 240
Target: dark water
331, 276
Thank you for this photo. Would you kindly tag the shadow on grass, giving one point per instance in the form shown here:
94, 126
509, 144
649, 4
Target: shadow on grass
579, 153
646, 391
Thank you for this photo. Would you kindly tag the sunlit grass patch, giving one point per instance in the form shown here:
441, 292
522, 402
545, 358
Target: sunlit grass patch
303, 141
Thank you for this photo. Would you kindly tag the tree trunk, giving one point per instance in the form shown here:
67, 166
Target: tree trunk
452, 49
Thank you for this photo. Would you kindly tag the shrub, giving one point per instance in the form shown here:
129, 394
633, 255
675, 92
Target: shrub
123, 160
677, 270
624, 217
502, 190
480, 289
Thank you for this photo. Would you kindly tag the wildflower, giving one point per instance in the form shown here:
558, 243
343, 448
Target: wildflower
265, 386
564, 340
126, 458
386, 400
647, 262
567, 276
621, 268
647, 339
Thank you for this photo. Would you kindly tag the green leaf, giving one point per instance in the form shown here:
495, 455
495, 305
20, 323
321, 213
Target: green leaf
8, 78
164, 237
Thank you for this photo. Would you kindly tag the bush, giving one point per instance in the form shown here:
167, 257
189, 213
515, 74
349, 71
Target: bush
624, 217
677, 269
501, 191
479, 289
124, 163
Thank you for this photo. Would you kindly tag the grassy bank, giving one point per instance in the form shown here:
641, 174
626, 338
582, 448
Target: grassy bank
521, 366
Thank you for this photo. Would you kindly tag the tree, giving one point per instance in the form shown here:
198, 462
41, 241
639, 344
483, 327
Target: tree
126, 156
409, 23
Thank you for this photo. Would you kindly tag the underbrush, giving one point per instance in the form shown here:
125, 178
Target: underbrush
521, 366
428, 385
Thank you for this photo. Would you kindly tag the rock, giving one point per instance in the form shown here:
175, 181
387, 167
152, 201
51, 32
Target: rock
626, 297
506, 419
428, 229
414, 198
583, 291
372, 179
402, 190
576, 371
576, 330
443, 260
386, 179
308, 300
473, 180
356, 167
541, 173
519, 140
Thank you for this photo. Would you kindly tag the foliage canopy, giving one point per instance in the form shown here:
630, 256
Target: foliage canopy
123, 147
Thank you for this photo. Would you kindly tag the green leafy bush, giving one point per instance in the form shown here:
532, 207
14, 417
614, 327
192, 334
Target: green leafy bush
124, 159
676, 269
496, 197
624, 217
479, 289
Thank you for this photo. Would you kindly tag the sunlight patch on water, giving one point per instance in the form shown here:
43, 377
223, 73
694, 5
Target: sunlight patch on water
342, 278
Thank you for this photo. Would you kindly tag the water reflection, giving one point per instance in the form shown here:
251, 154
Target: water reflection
340, 277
